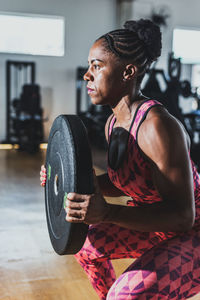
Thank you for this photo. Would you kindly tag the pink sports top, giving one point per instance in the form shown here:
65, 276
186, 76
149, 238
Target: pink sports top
133, 175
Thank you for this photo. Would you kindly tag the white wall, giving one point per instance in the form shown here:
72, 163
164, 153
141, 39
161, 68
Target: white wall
85, 21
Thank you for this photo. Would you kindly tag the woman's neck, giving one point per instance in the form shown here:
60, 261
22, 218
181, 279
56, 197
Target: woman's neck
126, 107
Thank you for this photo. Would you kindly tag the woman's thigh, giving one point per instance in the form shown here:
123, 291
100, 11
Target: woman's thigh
110, 241
170, 270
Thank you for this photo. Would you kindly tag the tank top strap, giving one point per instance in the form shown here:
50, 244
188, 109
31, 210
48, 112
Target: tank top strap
140, 115
111, 124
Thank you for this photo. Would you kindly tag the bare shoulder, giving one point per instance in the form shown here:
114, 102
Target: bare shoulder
161, 133
107, 125
160, 119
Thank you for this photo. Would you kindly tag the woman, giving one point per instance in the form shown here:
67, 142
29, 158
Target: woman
148, 160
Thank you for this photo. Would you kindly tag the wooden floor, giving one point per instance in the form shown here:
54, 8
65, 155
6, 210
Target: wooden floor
29, 268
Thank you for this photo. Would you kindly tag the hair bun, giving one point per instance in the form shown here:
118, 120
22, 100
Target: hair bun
149, 33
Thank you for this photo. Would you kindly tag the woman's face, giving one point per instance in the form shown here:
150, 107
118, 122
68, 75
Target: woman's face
104, 76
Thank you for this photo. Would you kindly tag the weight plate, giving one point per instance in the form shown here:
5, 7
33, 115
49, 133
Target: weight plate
69, 169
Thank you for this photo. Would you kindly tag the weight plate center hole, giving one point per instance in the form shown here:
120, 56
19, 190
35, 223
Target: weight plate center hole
56, 184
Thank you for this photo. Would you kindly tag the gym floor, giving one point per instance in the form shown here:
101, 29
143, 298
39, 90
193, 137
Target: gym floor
29, 267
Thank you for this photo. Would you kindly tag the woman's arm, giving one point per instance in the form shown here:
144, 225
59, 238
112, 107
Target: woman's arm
165, 145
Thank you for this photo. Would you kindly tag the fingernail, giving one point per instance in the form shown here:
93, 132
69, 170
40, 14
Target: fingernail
69, 196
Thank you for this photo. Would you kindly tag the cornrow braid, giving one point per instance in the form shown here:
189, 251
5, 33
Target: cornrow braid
139, 42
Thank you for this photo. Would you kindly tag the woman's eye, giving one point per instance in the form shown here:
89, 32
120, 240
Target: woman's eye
96, 67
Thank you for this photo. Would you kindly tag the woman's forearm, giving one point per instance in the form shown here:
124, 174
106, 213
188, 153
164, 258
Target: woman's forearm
107, 188
152, 217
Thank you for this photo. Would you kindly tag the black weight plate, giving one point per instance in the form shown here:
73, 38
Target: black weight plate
69, 169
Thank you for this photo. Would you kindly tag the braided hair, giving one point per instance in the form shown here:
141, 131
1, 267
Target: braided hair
139, 42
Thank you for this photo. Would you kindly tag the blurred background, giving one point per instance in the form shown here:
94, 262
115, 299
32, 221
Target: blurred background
44, 47
43, 56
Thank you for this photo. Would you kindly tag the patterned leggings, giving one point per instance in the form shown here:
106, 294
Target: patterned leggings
167, 269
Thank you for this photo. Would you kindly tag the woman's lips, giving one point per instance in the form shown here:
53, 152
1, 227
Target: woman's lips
90, 90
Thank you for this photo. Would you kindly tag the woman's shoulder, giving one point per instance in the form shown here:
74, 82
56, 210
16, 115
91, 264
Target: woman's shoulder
160, 127
158, 118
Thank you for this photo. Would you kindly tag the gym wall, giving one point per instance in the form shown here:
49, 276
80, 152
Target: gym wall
85, 21
182, 14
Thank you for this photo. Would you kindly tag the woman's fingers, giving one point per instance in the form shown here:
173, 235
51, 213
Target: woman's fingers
76, 207
74, 215
90, 209
43, 175
43, 171
73, 220
76, 197
42, 181
76, 204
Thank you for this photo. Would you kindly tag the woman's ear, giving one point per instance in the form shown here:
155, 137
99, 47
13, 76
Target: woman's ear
129, 72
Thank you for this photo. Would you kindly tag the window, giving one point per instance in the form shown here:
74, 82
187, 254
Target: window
186, 45
32, 34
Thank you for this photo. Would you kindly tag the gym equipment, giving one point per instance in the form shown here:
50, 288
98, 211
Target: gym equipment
169, 96
24, 123
69, 169
174, 67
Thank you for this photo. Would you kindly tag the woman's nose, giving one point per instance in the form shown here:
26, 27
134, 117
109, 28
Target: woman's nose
88, 76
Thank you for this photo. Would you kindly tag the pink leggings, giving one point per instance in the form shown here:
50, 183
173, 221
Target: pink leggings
168, 269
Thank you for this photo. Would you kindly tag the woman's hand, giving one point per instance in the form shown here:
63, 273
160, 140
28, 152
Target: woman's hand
43, 176
90, 209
